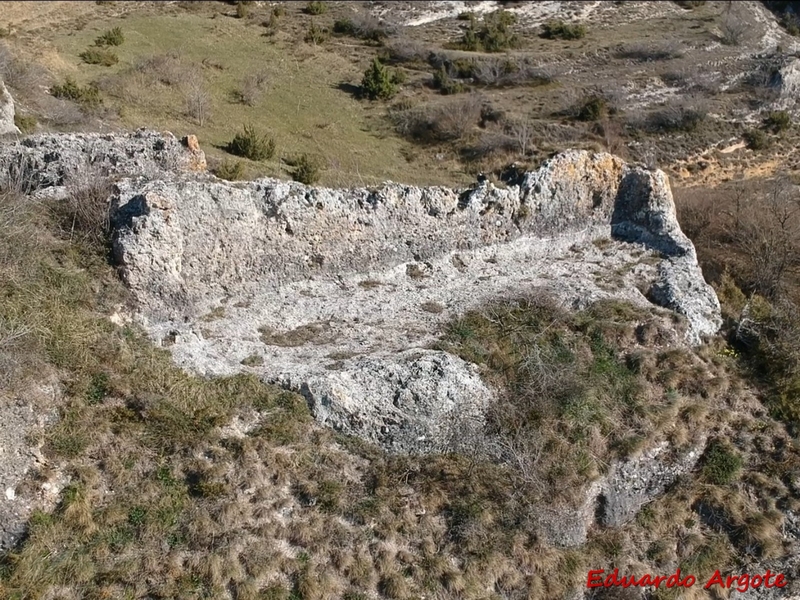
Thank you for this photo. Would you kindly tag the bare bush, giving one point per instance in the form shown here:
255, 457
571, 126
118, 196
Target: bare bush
84, 216
498, 72
407, 51
674, 117
490, 143
168, 69
733, 30
251, 88
198, 100
522, 132
652, 52
757, 224
61, 113
23, 76
767, 233
446, 122
365, 26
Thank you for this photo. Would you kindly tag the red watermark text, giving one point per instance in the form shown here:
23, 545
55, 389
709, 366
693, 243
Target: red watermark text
742, 583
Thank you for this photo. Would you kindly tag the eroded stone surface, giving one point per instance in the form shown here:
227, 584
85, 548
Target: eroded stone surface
332, 292
7, 125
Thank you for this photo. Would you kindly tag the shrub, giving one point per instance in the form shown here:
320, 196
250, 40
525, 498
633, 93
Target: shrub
316, 8
113, 37
250, 144
677, 118
198, 99
778, 121
99, 56
593, 108
449, 122
378, 82
25, 123
756, 139
493, 35
316, 34
88, 96
791, 23
85, 216
446, 84
722, 463
306, 169
733, 30
232, 171
559, 30
251, 88
362, 26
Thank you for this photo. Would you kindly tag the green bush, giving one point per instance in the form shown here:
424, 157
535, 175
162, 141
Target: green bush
316, 8
344, 27
756, 139
306, 170
722, 463
593, 108
232, 171
778, 121
559, 30
113, 37
69, 90
791, 23
316, 34
25, 123
378, 82
99, 56
493, 35
250, 144
446, 84
677, 118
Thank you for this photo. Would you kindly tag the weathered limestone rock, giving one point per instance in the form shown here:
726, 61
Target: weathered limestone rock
631, 484
418, 400
788, 83
340, 294
46, 160
7, 125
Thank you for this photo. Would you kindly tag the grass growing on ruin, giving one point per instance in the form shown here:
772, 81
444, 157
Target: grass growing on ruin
573, 400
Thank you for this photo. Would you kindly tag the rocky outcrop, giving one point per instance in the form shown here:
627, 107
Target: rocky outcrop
47, 160
787, 82
419, 400
616, 498
340, 294
7, 125
631, 484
